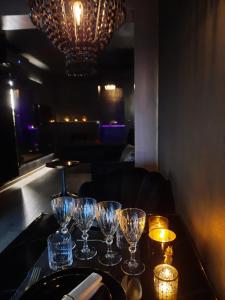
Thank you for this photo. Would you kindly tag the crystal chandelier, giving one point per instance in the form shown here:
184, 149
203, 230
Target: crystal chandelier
80, 29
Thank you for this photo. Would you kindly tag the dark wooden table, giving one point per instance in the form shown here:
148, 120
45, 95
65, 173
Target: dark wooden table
193, 283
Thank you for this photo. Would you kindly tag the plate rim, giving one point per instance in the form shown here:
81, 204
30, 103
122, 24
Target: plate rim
76, 271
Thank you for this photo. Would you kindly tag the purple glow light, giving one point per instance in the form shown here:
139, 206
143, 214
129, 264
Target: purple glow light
113, 126
31, 127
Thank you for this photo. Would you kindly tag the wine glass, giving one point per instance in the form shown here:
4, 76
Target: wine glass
84, 214
132, 223
63, 208
107, 214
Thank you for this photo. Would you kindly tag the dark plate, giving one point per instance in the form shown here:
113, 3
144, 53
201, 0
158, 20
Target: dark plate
55, 286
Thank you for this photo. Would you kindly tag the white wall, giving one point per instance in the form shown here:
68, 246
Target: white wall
192, 123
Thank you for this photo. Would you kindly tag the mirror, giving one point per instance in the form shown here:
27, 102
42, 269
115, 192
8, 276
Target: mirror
52, 112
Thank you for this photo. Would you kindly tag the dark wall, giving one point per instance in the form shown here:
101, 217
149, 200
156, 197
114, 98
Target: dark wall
75, 97
192, 122
8, 157
78, 97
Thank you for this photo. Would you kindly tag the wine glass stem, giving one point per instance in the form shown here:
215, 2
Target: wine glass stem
85, 244
63, 182
109, 241
132, 249
64, 229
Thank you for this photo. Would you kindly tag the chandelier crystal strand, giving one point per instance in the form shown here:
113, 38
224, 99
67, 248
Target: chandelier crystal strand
80, 29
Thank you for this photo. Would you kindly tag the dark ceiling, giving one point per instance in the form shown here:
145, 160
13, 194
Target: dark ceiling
118, 55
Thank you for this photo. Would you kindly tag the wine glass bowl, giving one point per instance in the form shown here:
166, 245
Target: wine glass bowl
107, 215
132, 224
84, 215
63, 208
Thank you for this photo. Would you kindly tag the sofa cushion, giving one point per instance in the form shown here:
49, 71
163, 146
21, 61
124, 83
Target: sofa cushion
128, 153
155, 194
135, 187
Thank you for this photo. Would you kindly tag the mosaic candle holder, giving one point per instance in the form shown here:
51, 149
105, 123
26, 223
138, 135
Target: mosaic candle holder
165, 282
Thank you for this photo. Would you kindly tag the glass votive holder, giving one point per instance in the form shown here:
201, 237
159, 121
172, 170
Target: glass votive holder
162, 245
158, 222
162, 235
165, 282
60, 253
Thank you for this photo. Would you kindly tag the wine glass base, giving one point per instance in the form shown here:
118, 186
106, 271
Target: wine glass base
73, 244
112, 260
132, 269
67, 194
86, 255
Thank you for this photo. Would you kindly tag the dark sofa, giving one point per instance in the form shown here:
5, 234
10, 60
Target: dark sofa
133, 187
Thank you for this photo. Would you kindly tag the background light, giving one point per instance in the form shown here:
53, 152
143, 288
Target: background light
79, 29
34, 61
10, 83
110, 87
12, 99
35, 79
66, 119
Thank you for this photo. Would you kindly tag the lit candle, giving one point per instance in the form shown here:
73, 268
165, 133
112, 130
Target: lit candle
162, 244
165, 282
158, 222
162, 235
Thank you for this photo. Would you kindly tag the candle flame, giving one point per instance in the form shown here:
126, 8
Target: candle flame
162, 234
167, 273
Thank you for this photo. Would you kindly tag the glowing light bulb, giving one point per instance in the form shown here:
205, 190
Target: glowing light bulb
78, 12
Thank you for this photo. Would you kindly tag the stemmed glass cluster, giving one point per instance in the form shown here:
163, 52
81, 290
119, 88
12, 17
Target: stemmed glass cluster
60, 244
84, 215
108, 221
63, 208
83, 212
132, 223
109, 215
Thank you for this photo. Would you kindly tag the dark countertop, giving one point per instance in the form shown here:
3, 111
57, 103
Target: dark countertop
193, 283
